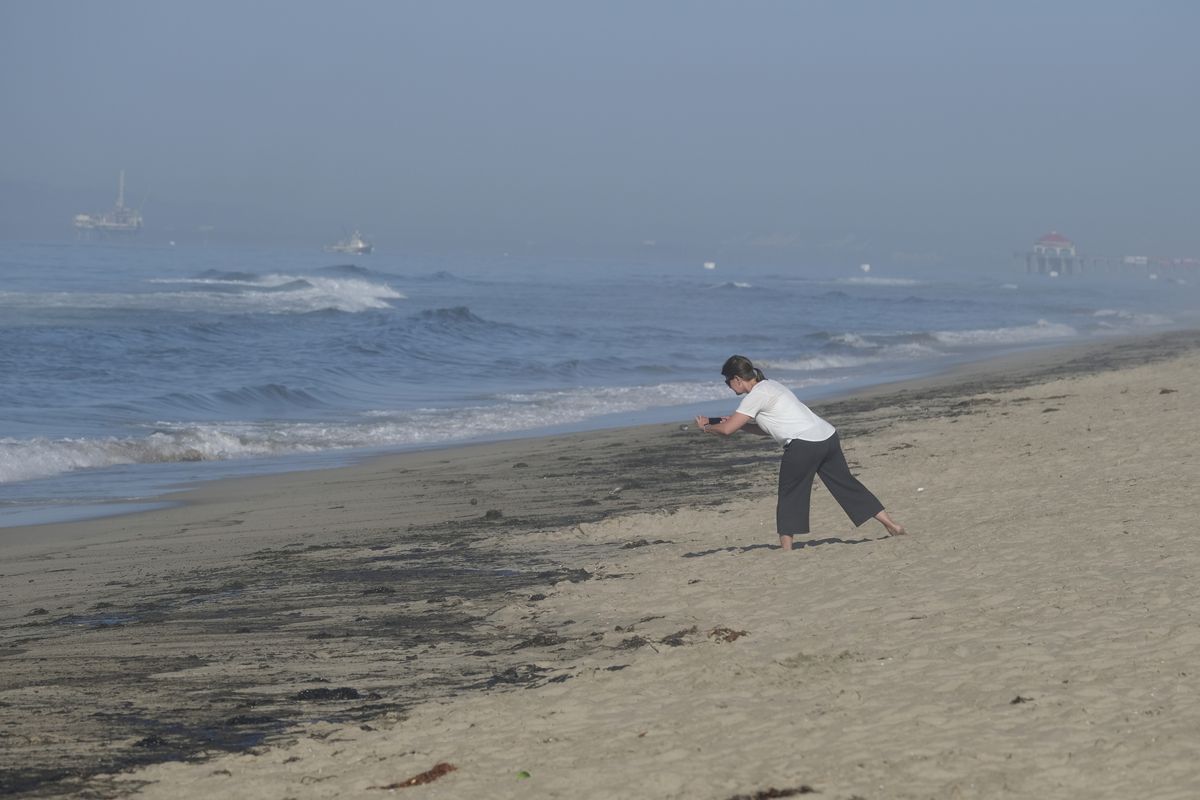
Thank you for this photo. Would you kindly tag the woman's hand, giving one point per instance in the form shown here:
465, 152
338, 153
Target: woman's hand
727, 426
703, 423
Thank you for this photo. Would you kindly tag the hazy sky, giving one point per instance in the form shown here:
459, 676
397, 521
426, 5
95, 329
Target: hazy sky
841, 130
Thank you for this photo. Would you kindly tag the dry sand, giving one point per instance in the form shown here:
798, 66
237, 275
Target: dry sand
606, 615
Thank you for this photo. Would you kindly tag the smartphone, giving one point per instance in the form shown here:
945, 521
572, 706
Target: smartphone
714, 420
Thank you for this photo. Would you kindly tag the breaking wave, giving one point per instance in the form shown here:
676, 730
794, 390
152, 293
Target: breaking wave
503, 414
1041, 331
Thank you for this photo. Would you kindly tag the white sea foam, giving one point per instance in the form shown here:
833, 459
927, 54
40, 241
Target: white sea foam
851, 340
873, 354
562, 407
1024, 334
22, 460
272, 294
823, 361
285, 293
1110, 317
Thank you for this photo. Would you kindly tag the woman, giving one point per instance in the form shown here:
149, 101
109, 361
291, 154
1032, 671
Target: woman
810, 447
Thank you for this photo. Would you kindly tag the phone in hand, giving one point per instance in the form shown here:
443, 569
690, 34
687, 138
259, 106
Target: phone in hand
714, 420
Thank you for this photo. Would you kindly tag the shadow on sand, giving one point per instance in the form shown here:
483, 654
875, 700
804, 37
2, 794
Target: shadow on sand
795, 546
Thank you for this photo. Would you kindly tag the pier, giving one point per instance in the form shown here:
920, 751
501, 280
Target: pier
1055, 255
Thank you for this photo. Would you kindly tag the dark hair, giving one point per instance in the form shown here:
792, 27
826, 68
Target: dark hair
740, 367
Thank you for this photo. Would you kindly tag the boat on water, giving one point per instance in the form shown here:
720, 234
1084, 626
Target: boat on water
120, 220
355, 244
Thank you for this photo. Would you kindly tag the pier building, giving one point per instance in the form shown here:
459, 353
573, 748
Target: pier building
1053, 254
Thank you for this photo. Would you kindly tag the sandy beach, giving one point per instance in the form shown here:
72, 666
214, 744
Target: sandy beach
607, 615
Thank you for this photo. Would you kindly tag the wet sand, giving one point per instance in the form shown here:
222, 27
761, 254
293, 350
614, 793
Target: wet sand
607, 612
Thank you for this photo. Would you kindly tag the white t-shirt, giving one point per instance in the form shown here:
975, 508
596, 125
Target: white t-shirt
777, 411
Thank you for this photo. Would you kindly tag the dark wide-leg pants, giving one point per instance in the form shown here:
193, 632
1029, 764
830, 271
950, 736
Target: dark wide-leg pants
802, 461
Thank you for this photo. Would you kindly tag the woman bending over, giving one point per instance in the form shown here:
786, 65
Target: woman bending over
810, 447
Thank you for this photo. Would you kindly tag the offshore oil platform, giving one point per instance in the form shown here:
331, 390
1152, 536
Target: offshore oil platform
121, 220
1055, 255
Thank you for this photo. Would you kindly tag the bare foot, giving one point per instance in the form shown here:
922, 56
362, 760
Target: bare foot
893, 528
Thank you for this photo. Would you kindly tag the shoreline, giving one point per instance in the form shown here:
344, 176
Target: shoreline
264, 612
1026, 361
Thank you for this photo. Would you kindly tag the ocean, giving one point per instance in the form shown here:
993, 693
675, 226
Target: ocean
128, 370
